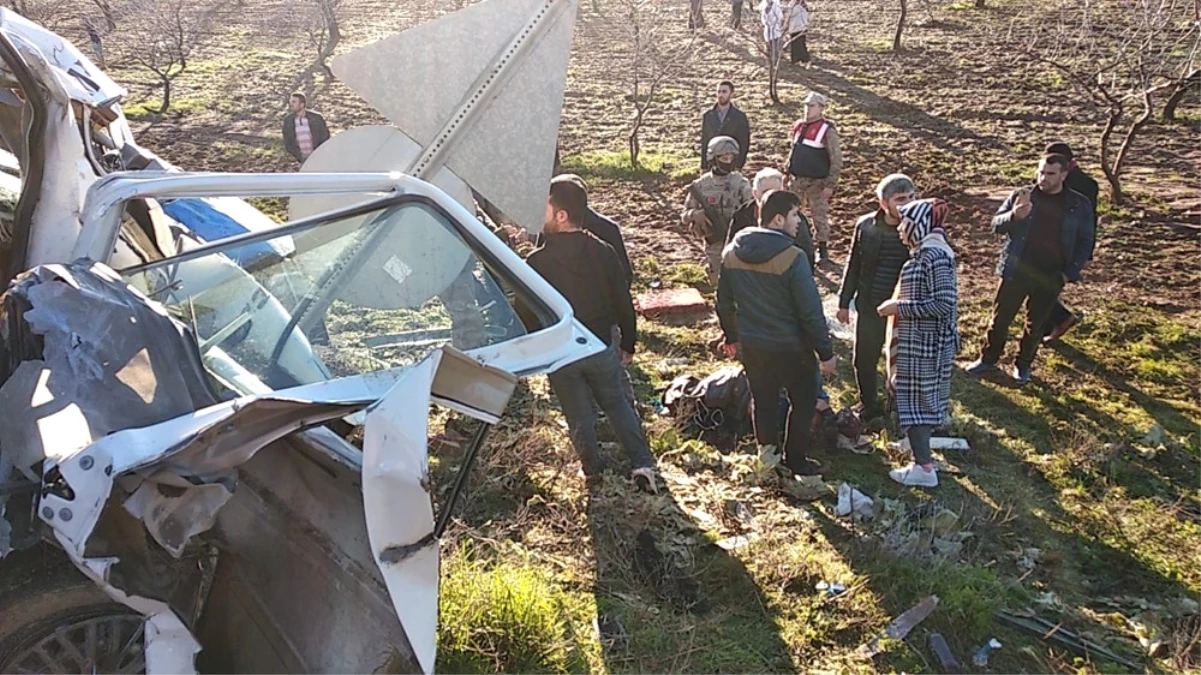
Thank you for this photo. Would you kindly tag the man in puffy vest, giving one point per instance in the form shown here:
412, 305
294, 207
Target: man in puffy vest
713, 198
814, 166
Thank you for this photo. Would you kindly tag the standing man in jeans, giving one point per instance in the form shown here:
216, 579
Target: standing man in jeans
814, 166
725, 119
869, 278
1050, 232
770, 310
588, 274
1063, 319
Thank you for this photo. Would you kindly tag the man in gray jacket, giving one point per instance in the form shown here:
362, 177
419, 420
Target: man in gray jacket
770, 310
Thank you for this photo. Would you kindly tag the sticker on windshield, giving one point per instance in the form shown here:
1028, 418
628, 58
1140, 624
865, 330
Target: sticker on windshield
396, 269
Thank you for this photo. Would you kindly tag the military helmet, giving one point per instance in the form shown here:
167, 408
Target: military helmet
721, 145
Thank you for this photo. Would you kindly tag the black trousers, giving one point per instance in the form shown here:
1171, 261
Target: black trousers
1039, 290
736, 15
1059, 314
799, 51
870, 331
768, 371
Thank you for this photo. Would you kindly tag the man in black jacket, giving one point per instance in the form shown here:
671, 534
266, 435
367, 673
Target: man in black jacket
723, 119
770, 310
765, 181
1050, 233
304, 130
870, 276
586, 271
1062, 319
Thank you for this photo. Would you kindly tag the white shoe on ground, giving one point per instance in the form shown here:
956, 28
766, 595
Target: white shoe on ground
915, 476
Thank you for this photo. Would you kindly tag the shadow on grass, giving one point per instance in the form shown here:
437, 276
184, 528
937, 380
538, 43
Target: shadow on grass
922, 124
668, 601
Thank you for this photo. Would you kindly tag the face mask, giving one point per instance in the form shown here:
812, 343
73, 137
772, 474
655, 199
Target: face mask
721, 167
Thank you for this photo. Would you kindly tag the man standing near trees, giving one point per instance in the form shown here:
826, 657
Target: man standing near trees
1050, 232
814, 166
771, 312
869, 278
304, 129
723, 119
712, 200
1062, 319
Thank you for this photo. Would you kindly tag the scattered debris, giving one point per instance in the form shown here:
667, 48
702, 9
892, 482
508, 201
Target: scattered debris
1030, 559
936, 443
938, 645
900, 626
739, 512
663, 574
770, 456
611, 633
860, 446
836, 588
851, 500
737, 541
1055, 632
980, 658
804, 488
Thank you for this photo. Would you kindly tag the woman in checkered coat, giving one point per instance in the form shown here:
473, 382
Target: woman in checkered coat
923, 334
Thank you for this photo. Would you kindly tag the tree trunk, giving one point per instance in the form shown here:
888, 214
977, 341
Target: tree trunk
633, 140
1191, 81
1114, 180
162, 109
896, 38
1119, 162
979, 4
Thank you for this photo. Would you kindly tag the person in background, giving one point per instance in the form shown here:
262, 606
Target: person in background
798, 28
772, 16
304, 129
814, 166
1049, 235
923, 327
94, 37
771, 314
736, 14
1062, 319
696, 14
725, 119
869, 278
588, 274
715, 196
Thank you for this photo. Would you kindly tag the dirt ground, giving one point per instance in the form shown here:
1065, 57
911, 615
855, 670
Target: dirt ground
1055, 469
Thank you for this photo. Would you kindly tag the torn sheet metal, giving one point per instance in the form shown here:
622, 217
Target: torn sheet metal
174, 514
395, 481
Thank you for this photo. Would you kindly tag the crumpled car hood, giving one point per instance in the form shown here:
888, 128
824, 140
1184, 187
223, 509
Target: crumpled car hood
108, 400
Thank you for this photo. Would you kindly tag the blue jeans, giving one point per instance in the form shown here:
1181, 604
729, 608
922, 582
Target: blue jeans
597, 380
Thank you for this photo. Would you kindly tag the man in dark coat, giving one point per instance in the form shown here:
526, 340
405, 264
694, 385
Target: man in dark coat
1063, 319
869, 278
304, 129
1050, 232
723, 119
771, 312
586, 271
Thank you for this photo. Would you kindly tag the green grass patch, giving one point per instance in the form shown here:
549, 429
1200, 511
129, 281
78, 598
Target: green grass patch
275, 208
608, 165
505, 617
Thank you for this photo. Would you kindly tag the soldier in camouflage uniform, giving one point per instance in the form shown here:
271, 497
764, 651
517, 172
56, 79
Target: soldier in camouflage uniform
716, 195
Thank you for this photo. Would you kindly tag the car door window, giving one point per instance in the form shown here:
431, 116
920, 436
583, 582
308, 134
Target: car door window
373, 289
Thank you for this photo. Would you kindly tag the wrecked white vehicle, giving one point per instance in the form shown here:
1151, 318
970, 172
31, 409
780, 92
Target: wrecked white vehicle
178, 485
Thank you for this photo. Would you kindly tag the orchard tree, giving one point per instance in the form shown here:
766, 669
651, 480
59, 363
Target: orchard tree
1119, 62
162, 35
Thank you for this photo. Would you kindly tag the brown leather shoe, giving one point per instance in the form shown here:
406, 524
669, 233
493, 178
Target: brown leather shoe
1062, 328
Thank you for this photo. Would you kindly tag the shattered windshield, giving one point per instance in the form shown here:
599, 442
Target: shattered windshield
369, 291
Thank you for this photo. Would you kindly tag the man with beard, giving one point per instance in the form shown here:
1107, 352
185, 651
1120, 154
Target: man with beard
725, 119
870, 276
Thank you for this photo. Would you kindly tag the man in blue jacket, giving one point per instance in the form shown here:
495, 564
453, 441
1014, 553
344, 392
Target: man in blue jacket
1050, 230
770, 310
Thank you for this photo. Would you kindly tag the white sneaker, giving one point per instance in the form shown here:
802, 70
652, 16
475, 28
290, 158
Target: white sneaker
915, 476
